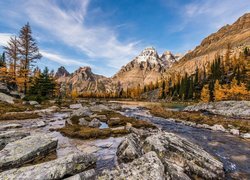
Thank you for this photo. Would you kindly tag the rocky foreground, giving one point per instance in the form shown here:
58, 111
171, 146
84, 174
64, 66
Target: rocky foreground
162, 155
145, 153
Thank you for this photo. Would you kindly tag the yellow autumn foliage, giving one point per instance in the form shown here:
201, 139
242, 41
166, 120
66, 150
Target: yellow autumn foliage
205, 93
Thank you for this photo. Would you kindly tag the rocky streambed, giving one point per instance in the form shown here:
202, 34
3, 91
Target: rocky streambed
44, 148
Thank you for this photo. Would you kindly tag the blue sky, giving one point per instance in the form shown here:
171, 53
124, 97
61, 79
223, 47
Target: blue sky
106, 34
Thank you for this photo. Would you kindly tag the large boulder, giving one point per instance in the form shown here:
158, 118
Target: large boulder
56, 169
180, 155
25, 150
147, 167
11, 136
225, 108
129, 149
6, 98
10, 126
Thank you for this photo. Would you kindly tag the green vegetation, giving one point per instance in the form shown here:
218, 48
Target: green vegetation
42, 86
199, 118
6, 107
116, 119
82, 132
19, 116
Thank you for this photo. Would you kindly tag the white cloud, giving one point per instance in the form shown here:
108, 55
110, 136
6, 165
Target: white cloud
68, 26
62, 59
4, 38
216, 12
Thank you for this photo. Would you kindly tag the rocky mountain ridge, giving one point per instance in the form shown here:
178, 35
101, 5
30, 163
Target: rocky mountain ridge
233, 37
149, 67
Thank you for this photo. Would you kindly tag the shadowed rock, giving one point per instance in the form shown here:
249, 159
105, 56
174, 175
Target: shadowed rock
56, 169
25, 150
129, 149
11, 136
90, 174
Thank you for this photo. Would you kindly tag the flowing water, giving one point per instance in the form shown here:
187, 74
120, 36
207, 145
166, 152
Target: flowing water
103, 149
233, 151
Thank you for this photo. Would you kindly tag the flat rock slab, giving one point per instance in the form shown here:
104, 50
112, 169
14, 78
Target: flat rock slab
11, 136
147, 167
225, 108
56, 169
25, 150
10, 126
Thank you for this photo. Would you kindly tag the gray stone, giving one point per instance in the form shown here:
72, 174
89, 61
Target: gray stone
129, 149
38, 106
95, 123
6, 98
40, 124
226, 108
102, 116
75, 106
206, 126
183, 155
217, 127
56, 169
83, 122
99, 108
15, 94
4, 88
25, 150
245, 135
86, 175
147, 167
33, 103
10, 126
235, 132
83, 111
11, 136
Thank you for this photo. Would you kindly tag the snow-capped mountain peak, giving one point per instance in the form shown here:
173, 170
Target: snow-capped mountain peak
149, 55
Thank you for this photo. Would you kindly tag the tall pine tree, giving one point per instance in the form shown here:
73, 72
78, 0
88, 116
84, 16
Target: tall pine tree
29, 53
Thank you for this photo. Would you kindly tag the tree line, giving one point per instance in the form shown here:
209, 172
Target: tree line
17, 64
226, 78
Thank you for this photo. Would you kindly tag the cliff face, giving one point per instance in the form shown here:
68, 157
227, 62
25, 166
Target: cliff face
235, 36
83, 80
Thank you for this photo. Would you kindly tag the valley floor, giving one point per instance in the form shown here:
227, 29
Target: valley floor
223, 136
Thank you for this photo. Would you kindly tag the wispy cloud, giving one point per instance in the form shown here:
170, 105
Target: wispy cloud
216, 12
68, 26
62, 59
4, 38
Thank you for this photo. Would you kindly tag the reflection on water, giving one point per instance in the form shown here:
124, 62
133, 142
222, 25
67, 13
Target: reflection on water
233, 151
103, 149
104, 125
